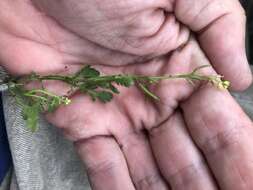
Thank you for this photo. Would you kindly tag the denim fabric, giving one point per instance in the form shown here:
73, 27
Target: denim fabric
5, 156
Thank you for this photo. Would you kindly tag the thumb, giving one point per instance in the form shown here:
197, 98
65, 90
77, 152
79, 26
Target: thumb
220, 26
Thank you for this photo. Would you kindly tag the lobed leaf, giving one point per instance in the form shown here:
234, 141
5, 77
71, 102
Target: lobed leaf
87, 72
30, 114
104, 96
125, 81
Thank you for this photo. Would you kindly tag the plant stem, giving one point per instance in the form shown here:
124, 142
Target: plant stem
89, 81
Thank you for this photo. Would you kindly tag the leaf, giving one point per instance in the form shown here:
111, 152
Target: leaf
109, 86
53, 104
104, 96
114, 89
104, 84
126, 81
15, 90
30, 114
87, 72
92, 94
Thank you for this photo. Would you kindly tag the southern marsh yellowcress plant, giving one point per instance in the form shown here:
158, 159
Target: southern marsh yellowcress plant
88, 81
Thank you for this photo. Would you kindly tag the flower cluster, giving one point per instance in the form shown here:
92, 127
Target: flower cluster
219, 82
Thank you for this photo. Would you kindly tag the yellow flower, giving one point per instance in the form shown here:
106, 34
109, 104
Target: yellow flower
219, 83
66, 101
225, 84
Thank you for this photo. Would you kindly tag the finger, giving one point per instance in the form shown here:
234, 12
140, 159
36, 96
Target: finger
142, 167
221, 28
179, 160
105, 163
19, 56
224, 134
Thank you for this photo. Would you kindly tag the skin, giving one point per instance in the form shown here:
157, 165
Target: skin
195, 137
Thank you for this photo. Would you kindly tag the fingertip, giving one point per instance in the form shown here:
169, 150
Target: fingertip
232, 63
241, 78
243, 83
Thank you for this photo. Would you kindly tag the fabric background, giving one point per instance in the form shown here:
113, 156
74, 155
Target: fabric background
5, 156
43, 160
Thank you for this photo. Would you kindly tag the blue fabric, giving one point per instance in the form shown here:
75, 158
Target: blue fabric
5, 156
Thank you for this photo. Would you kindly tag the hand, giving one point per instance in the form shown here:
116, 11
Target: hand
185, 141
114, 32
193, 138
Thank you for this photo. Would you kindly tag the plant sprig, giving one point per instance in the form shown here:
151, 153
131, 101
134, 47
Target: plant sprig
91, 82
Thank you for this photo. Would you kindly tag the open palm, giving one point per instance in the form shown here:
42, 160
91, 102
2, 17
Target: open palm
195, 137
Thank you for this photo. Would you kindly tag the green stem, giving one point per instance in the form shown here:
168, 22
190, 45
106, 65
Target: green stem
35, 96
43, 92
66, 79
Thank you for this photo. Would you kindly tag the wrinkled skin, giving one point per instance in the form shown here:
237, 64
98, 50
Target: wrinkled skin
196, 137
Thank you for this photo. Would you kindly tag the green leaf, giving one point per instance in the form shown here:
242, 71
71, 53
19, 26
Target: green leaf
31, 116
126, 81
104, 84
16, 90
87, 72
87, 86
104, 96
109, 86
92, 94
113, 89
53, 104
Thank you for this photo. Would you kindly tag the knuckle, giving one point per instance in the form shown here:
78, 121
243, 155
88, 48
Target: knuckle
148, 182
221, 141
105, 167
187, 175
75, 133
131, 140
